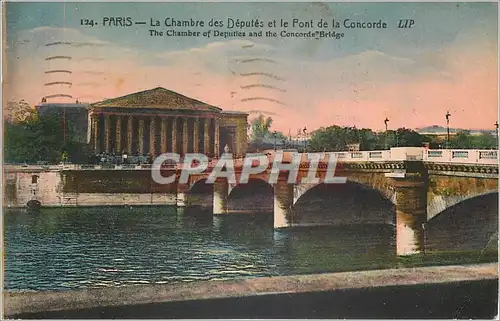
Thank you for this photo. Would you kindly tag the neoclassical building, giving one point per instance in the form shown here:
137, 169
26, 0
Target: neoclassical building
159, 120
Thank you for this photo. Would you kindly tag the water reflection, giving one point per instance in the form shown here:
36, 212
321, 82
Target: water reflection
64, 248
410, 234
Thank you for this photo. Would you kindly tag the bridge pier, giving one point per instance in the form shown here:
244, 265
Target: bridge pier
411, 213
182, 198
221, 192
283, 203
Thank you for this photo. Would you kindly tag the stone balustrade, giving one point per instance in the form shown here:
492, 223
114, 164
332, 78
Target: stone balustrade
448, 156
461, 156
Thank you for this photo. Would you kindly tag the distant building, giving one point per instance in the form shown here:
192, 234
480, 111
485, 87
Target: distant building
159, 120
442, 132
72, 115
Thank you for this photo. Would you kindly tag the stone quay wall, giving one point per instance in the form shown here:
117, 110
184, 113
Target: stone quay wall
86, 188
422, 292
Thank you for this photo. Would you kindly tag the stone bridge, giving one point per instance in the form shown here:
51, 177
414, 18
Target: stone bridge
407, 189
405, 193
439, 186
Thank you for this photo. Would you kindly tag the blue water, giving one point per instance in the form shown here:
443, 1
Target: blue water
57, 249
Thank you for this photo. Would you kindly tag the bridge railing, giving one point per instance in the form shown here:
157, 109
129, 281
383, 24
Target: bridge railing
359, 156
463, 156
456, 156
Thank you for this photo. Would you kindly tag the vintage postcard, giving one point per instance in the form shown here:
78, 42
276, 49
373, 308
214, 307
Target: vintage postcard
250, 160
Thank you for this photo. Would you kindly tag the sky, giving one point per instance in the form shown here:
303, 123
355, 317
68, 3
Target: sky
447, 61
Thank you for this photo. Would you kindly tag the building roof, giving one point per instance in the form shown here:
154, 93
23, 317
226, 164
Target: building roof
234, 112
62, 105
158, 98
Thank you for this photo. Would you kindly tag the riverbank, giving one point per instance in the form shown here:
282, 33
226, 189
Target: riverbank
441, 291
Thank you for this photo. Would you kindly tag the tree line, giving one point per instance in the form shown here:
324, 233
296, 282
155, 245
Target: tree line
31, 138
337, 138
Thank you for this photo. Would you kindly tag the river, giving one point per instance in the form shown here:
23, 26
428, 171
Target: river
71, 248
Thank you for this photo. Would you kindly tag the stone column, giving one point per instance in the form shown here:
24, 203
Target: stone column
237, 142
196, 135
163, 135
216, 138
185, 136
107, 133
411, 213
241, 138
130, 134
174, 135
221, 191
141, 136
89, 129
283, 202
118, 140
152, 136
95, 129
206, 136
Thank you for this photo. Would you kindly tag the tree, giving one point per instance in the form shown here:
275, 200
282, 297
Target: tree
407, 138
39, 139
432, 141
484, 141
19, 112
368, 140
260, 127
333, 138
261, 135
336, 138
462, 140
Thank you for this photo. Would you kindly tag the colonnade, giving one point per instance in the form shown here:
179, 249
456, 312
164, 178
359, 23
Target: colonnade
142, 134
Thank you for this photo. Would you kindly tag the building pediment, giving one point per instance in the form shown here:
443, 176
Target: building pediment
157, 98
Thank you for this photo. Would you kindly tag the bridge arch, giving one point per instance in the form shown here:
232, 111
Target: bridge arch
342, 204
252, 183
441, 203
200, 193
468, 225
195, 181
256, 195
386, 192
200, 186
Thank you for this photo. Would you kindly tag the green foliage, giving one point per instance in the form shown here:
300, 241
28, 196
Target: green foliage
484, 141
42, 139
261, 130
464, 140
260, 127
336, 138
333, 138
404, 137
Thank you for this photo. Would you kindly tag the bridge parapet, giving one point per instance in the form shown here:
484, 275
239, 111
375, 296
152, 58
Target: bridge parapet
395, 154
463, 156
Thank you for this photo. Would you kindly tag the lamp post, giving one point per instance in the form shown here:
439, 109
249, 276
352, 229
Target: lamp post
447, 129
385, 122
297, 143
305, 139
496, 132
